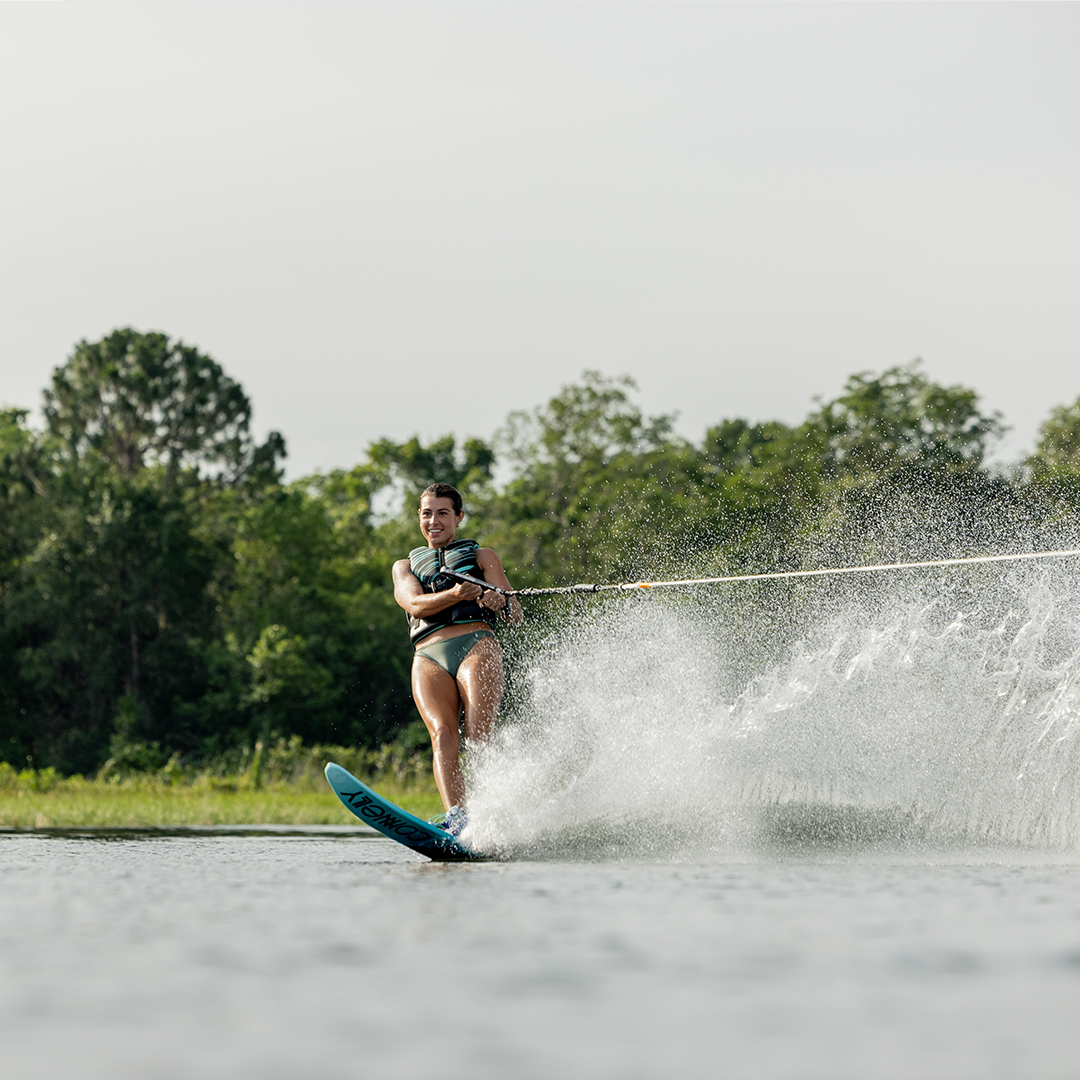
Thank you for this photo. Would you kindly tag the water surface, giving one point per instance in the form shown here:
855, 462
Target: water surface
277, 956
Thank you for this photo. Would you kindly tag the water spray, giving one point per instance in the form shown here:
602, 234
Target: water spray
938, 719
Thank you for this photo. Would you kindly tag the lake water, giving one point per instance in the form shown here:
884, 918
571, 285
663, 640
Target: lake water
275, 956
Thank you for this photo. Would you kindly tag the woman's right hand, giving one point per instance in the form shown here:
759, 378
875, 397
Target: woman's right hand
466, 590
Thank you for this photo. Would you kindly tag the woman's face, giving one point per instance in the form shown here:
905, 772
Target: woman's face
438, 522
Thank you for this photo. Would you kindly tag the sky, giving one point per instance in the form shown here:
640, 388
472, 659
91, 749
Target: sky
388, 219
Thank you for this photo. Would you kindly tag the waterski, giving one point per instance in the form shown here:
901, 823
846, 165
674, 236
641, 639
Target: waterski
397, 824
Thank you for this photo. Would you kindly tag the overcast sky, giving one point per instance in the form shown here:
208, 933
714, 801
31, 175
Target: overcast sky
390, 219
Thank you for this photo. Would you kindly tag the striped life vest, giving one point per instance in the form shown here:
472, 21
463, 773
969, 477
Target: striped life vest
427, 564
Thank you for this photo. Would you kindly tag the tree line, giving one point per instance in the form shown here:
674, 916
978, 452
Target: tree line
163, 591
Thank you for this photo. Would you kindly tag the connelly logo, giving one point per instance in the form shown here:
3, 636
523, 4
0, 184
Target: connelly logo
386, 821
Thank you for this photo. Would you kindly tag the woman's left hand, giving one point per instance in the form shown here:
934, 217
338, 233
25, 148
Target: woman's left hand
494, 600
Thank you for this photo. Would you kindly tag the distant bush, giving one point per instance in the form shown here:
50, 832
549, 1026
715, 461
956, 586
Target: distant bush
12, 779
285, 762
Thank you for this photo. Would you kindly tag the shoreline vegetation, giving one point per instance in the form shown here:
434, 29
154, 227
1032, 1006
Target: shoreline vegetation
282, 784
169, 602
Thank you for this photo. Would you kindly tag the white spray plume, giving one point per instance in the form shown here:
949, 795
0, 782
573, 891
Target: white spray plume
939, 710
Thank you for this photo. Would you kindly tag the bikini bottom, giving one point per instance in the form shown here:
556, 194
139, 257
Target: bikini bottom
450, 653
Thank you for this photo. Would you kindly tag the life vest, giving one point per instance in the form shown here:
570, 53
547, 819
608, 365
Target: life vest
428, 565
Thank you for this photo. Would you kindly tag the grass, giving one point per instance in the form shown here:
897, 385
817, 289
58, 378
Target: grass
282, 786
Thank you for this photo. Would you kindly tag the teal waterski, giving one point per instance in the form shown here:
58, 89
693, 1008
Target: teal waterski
397, 824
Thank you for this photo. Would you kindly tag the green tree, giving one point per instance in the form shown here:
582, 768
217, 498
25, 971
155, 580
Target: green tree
737, 446
599, 489
108, 614
412, 466
902, 461
23, 470
764, 484
24, 513
111, 603
1055, 464
140, 399
883, 423
308, 559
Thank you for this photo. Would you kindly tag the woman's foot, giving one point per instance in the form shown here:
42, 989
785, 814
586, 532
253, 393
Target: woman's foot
453, 821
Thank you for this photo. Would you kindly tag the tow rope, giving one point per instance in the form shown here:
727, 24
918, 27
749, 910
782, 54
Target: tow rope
630, 586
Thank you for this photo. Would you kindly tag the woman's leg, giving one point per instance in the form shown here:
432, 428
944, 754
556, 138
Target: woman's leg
436, 695
480, 686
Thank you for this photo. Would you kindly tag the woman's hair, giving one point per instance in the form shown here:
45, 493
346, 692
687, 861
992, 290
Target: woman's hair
445, 491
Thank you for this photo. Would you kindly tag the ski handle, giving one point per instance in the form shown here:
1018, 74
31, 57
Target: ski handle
486, 586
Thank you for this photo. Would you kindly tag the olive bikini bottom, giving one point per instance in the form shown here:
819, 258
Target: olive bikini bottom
450, 653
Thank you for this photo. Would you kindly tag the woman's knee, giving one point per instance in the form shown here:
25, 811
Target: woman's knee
445, 740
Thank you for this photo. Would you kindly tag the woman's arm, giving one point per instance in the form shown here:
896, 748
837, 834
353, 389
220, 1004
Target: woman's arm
507, 606
410, 595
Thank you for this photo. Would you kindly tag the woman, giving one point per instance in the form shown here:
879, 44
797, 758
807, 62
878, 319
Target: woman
458, 663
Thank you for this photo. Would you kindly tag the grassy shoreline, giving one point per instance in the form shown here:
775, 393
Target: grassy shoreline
286, 789
104, 805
